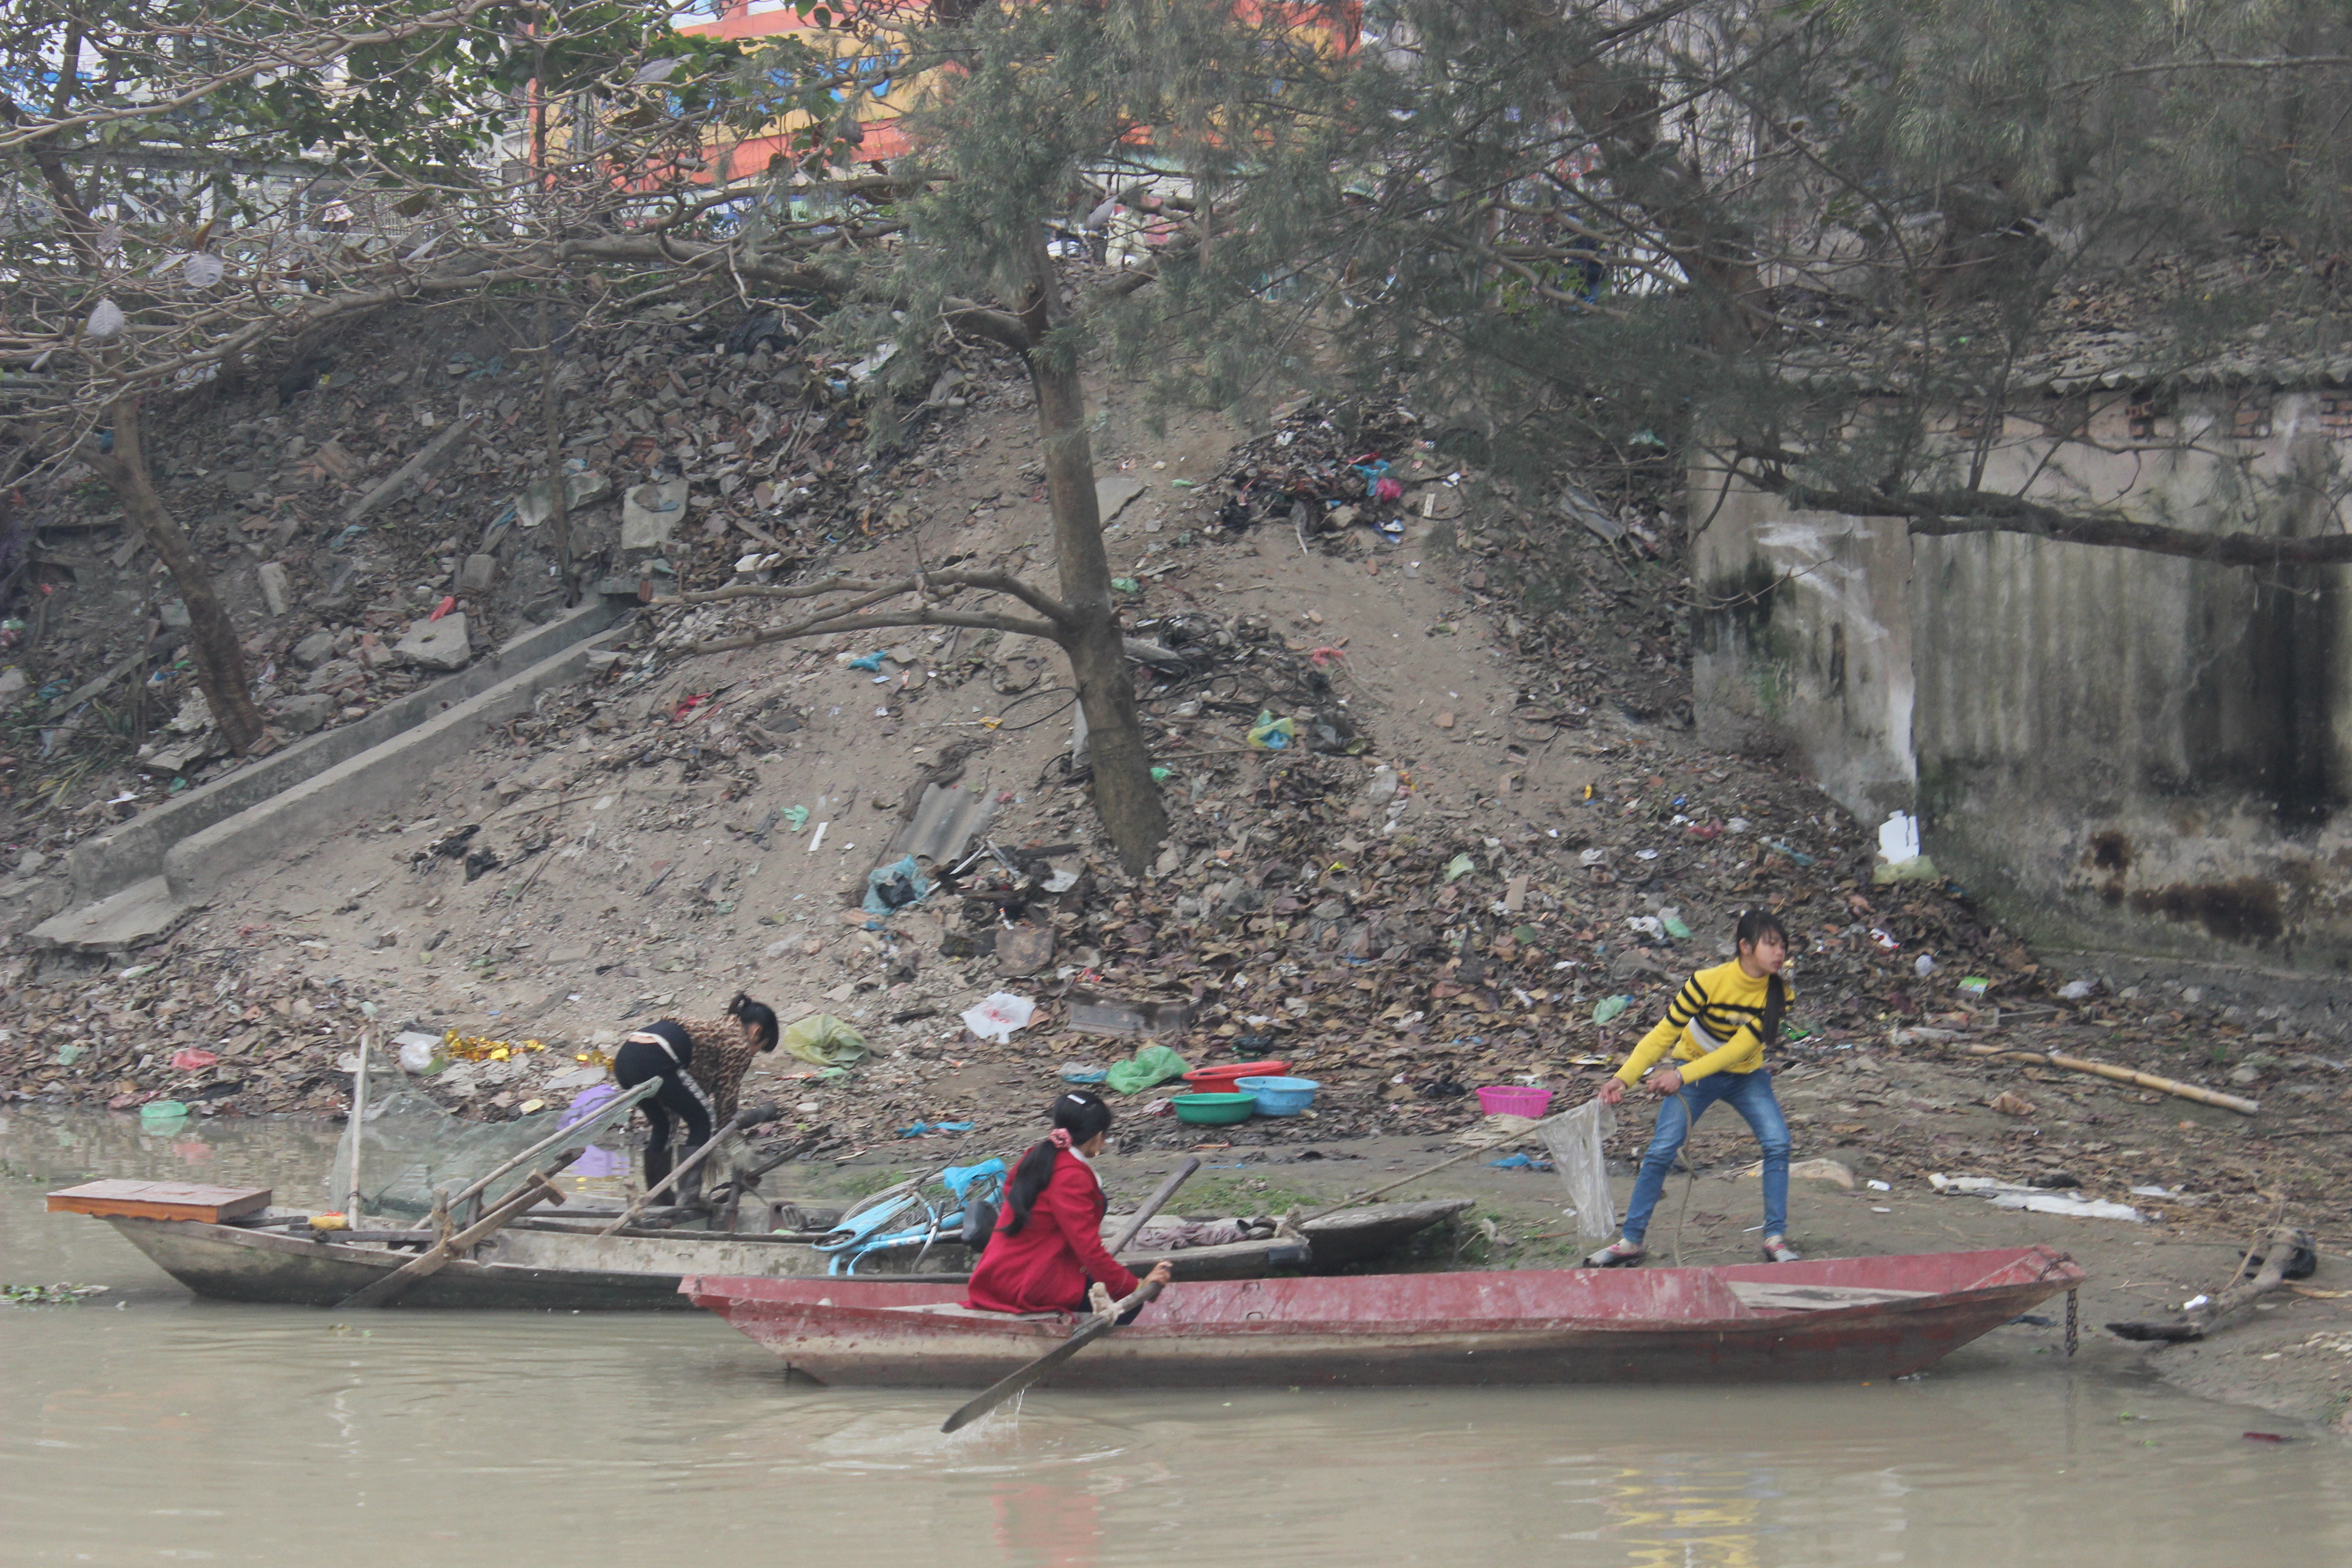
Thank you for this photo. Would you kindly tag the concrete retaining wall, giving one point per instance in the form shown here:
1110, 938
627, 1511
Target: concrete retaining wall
362, 786
137, 849
2115, 750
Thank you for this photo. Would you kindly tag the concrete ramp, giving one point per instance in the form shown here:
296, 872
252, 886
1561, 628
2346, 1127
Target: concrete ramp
145, 878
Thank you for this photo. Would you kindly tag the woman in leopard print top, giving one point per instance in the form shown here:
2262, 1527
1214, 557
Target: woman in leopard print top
702, 1062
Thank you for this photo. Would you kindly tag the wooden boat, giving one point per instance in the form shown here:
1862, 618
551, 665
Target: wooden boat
552, 1264
1838, 1320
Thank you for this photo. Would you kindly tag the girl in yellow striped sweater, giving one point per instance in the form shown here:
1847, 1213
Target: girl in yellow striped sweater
1717, 1028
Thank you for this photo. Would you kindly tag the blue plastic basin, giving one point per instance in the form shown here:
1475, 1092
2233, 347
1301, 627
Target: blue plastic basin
1280, 1096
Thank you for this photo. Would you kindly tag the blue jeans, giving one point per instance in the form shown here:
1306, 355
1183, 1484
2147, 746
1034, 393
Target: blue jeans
1750, 1094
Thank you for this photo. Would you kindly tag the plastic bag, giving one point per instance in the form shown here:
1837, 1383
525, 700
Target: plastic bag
1270, 734
998, 1015
825, 1040
895, 886
1153, 1064
1574, 1139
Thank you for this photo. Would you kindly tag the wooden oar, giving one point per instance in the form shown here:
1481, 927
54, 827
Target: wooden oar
752, 1118
396, 1284
1088, 1331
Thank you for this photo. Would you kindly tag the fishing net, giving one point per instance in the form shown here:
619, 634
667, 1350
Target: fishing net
408, 1145
1574, 1139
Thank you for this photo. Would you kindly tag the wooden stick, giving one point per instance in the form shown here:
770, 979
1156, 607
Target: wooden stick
2197, 1092
396, 1284
752, 1118
359, 1130
1176, 1178
2196, 1322
1353, 1199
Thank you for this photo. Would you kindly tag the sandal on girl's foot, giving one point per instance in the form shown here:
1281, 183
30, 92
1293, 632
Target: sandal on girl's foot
1778, 1250
1616, 1254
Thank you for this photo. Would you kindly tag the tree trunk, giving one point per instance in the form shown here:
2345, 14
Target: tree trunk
559, 484
1126, 798
212, 640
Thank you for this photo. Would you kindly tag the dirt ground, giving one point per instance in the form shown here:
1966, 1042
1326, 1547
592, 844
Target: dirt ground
637, 867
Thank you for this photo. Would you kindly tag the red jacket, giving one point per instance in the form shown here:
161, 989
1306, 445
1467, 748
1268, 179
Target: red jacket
1044, 1267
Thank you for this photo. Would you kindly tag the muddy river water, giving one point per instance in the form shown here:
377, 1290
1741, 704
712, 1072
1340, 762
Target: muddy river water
143, 1424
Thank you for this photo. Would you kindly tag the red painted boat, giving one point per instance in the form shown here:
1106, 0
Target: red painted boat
1836, 1319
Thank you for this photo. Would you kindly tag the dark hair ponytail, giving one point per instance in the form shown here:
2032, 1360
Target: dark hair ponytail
1755, 925
759, 1014
1081, 1113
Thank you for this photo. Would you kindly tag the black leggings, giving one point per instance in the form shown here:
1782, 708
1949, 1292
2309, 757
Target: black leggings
638, 1061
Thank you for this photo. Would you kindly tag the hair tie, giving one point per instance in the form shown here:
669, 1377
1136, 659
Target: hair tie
1059, 1137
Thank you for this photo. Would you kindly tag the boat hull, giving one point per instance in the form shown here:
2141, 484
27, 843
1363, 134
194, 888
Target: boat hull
1648, 1326
574, 1270
228, 1263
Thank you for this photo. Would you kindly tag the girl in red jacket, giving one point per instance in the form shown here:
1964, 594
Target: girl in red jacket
1048, 1241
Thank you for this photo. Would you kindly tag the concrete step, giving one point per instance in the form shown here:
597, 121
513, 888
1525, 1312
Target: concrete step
134, 850
309, 807
133, 917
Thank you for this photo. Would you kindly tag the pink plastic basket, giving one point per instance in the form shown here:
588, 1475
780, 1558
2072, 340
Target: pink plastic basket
1505, 1100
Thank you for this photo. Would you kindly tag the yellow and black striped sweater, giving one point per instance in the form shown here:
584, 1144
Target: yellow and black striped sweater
1712, 1027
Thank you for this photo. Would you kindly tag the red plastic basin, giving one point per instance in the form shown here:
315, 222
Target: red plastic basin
1224, 1077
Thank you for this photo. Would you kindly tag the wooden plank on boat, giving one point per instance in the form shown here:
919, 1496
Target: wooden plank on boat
1775, 1297
117, 1199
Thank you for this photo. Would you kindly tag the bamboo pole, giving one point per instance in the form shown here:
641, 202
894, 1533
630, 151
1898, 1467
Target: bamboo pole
2197, 1092
359, 1131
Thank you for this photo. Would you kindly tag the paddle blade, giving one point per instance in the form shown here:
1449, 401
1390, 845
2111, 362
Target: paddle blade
997, 1393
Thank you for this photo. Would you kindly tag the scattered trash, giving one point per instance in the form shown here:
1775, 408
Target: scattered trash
872, 661
1460, 867
1610, 1007
925, 1129
892, 887
1151, 1065
188, 1059
1518, 1163
1083, 1072
995, 1017
1270, 734
2078, 990
2016, 1196
795, 818
824, 1041
1899, 857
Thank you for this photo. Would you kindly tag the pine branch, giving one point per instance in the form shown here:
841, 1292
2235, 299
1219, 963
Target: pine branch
1943, 514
